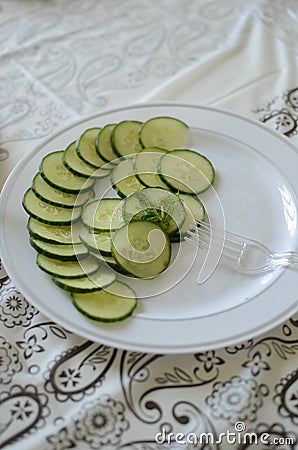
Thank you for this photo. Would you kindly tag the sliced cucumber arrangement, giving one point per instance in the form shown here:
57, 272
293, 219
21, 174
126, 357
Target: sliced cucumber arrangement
103, 143
142, 248
91, 283
47, 213
63, 252
56, 197
86, 148
123, 178
155, 205
104, 214
110, 261
186, 171
84, 240
63, 234
97, 242
58, 176
115, 303
125, 138
67, 269
145, 166
77, 166
165, 132
194, 211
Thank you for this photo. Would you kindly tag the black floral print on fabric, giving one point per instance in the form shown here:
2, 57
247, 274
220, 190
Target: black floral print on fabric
281, 113
15, 310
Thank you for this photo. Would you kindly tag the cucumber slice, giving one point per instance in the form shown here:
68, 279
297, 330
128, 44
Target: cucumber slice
186, 171
165, 132
67, 234
49, 214
156, 205
56, 197
86, 149
110, 261
63, 252
124, 138
142, 248
195, 207
103, 214
67, 269
194, 211
145, 166
115, 303
92, 283
58, 176
103, 143
123, 178
100, 242
77, 166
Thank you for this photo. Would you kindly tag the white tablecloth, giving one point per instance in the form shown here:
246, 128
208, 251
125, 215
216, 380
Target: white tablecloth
64, 59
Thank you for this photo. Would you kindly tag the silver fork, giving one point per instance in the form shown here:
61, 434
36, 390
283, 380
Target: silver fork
246, 255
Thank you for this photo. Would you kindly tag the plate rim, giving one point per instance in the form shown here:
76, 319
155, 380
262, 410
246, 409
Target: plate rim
208, 344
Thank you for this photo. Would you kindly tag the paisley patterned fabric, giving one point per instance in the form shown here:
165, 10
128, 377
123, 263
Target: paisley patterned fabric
62, 59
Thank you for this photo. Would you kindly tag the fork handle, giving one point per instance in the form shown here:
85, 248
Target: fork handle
286, 258
294, 258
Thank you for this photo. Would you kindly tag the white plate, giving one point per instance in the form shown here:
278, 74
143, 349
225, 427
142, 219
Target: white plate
257, 185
